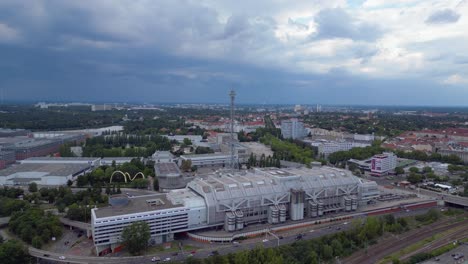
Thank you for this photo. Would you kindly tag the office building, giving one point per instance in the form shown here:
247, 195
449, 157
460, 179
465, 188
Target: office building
207, 160
327, 148
383, 164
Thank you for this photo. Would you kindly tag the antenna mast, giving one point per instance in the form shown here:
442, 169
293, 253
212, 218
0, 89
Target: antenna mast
232, 94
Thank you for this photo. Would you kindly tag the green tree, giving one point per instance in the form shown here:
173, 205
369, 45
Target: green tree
32, 187
135, 237
427, 169
186, 165
414, 170
399, 170
13, 252
37, 242
69, 183
187, 142
82, 181
414, 178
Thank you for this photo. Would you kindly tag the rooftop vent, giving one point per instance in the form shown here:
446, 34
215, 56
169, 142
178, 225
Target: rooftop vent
155, 202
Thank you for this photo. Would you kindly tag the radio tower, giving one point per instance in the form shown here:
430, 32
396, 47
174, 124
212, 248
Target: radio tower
232, 94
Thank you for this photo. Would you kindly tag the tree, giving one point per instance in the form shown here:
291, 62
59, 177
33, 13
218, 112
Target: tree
12, 252
82, 181
186, 165
414, 178
414, 170
427, 169
69, 183
32, 187
187, 142
399, 170
135, 237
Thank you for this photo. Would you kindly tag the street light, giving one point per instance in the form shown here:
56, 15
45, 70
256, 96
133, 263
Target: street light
277, 238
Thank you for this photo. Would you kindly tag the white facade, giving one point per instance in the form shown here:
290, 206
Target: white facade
328, 148
207, 160
293, 129
178, 211
362, 137
384, 163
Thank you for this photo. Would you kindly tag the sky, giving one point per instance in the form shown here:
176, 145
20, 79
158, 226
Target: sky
375, 52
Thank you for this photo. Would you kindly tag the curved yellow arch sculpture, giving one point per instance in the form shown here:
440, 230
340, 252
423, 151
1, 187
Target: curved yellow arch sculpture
127, 175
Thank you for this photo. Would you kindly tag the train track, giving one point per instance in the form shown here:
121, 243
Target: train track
395, 243
446, 239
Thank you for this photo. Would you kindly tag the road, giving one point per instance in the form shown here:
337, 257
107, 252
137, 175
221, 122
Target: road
223, 249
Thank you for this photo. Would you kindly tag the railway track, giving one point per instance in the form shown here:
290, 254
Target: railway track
395, 243
446, 239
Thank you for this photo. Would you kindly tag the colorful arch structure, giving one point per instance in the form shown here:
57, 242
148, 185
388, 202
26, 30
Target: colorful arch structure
127, 175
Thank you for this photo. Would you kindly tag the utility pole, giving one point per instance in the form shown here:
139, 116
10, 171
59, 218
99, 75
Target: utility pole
232, 95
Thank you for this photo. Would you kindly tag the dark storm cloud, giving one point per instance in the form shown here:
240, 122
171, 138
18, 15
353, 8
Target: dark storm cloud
337, 23
445, 16
183, 51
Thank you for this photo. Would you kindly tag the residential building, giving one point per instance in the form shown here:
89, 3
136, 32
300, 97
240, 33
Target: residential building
293, 129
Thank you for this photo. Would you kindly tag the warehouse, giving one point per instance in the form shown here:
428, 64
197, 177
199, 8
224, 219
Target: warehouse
45, 174
236, 199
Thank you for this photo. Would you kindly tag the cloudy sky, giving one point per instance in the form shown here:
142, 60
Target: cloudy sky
395, 52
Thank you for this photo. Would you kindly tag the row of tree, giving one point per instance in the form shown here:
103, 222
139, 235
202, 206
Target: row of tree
35, 227
285, 150
263, 162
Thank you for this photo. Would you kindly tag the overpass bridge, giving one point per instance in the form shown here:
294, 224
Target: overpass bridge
77, 224
442, 197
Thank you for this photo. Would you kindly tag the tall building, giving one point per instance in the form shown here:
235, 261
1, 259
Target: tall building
382, 164
293, 128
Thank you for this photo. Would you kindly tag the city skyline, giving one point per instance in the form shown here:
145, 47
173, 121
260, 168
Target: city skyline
336, 53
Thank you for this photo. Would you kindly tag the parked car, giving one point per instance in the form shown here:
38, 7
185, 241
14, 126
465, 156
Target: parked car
155, 259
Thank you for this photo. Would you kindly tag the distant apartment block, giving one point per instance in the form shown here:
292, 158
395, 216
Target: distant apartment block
293, 129
382, 164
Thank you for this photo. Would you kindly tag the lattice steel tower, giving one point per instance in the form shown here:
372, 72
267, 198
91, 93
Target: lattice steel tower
233, 164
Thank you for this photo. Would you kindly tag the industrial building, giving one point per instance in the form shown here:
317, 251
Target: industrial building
169, 176
233, 200
26, 147
45, 174
92, 161
6, 158
6, 132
